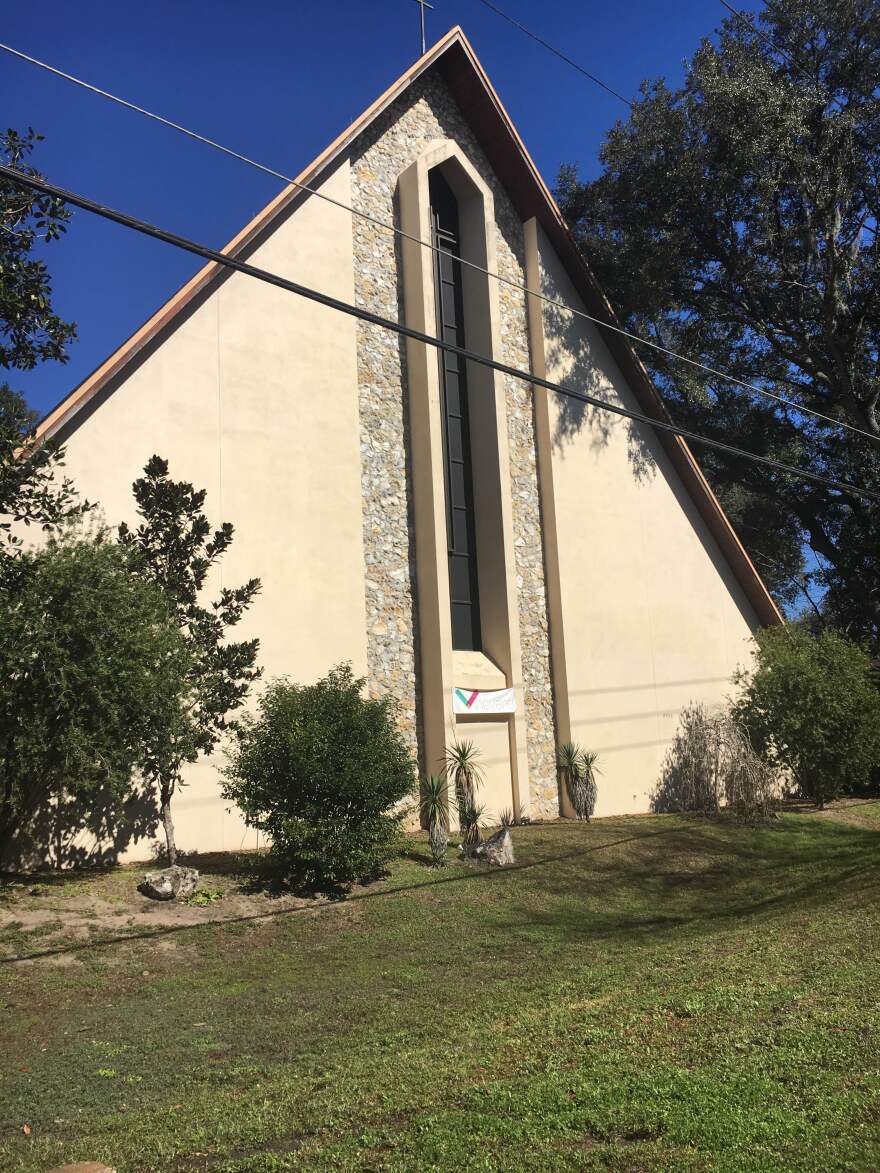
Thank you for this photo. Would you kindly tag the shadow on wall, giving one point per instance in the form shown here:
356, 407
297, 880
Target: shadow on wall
675, 791
86, 832
696, 764
574, 345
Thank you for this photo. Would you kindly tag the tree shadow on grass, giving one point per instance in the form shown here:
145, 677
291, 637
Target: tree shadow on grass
707, 873
644, 888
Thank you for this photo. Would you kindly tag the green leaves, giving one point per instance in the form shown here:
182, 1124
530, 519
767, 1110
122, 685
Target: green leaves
732, 223
174, 547
323, 771
463, 769
811, 706
578, 769
92, 664
29, 331
32, 490
434, 800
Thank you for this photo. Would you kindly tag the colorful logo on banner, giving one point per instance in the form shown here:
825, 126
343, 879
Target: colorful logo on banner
477, 700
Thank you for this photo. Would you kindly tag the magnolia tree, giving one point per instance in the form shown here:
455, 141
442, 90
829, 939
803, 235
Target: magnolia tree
32, 491
175, 547
30, 331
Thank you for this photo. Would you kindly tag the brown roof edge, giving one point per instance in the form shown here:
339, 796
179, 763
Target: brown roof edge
175, 305
507, 153
676, 447
544, 206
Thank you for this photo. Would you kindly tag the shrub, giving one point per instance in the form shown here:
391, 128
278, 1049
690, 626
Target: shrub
810, 705
323, 771
710, 764
470, 816
33, 491
92, 664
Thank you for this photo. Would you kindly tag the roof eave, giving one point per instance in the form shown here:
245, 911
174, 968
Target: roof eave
483, 109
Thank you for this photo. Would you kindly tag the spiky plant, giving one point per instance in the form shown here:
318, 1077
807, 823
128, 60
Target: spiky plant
569, 765
578, 770
434, 807
463, 770
588, 787
506, 818
470, 816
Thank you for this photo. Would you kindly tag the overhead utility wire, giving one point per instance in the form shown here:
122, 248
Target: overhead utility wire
230, 262
557, 52
747, 22
751, 387
745, 19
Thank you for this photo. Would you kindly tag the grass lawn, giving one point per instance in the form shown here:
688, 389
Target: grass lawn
646, 993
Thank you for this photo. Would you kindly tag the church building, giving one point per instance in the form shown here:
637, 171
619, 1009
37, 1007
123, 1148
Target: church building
515, 567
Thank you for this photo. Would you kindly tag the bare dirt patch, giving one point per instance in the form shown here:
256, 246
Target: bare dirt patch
43, 915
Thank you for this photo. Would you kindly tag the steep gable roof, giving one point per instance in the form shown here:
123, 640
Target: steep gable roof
480, 105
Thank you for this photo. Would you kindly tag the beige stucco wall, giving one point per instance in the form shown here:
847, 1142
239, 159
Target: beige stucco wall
253, 396
295, 420
652, 614
490, 739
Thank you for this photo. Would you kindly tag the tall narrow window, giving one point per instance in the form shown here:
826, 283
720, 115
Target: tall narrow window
460, 521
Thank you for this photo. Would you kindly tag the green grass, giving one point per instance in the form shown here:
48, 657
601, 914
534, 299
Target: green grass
655, 993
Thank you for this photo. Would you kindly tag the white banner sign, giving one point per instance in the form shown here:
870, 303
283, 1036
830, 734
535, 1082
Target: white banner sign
475, 700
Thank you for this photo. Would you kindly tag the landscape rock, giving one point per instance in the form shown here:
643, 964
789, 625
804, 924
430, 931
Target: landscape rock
170, 883
83, 1167
497, 851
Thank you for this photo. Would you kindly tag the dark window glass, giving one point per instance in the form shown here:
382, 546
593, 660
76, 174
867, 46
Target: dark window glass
459, 484
464, 623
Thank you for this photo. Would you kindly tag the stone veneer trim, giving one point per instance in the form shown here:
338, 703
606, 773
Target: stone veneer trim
425, 113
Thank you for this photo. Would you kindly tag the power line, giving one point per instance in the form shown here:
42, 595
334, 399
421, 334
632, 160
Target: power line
601, 322
746, 20
230, 262
557, 52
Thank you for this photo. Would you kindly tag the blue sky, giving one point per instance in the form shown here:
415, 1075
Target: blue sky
277, 80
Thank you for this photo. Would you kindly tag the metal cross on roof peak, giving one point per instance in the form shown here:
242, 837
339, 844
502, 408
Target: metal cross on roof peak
423, 4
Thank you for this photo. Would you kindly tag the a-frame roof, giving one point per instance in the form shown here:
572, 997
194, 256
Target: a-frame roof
454, 58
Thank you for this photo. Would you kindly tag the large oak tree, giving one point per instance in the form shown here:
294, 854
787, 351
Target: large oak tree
734, 221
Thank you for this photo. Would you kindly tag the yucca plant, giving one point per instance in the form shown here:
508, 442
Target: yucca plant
465, 773
569, 763
578, 769
588, 787
470, 816
434, 806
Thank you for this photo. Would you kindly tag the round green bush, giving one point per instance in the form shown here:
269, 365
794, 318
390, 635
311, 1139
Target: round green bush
323, 770
810, 705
